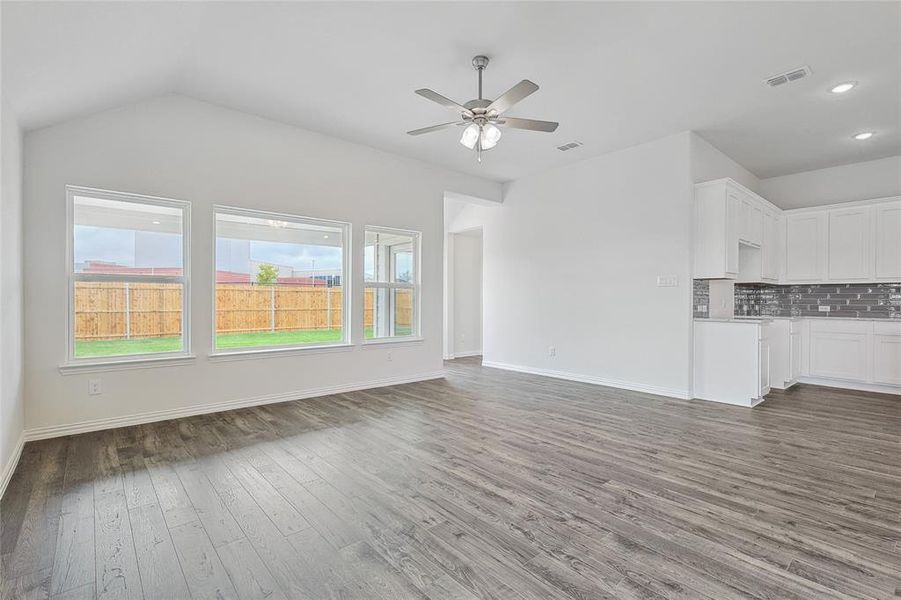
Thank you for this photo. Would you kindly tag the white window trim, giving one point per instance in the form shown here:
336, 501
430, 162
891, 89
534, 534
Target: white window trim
416, 286
73, 364
250, 352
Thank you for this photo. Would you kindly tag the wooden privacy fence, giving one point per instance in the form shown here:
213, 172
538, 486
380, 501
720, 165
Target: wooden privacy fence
116, 310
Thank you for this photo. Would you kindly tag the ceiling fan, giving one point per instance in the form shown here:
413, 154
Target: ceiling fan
482, 117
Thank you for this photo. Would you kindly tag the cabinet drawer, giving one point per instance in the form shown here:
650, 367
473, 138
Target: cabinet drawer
889, 328
840, 326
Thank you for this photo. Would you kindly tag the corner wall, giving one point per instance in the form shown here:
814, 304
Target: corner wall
181, 148
846, 183
571, 260
12, 409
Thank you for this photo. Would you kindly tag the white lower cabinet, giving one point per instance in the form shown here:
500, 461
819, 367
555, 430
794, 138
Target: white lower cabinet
839, 349
795, 356
763, 368
864, 354
738, 361
887, 353
781, 353
731, 361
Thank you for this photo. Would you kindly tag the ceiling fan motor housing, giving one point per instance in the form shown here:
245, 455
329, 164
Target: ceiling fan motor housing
480, 61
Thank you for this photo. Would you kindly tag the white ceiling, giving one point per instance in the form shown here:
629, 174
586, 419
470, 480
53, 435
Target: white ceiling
613, 74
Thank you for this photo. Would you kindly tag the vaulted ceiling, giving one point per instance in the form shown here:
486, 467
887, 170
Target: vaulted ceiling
613, 74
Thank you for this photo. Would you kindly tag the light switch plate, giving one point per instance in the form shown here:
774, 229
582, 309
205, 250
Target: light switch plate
667, 281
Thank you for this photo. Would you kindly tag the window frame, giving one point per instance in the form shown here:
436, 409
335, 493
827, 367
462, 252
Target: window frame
72, 363
285, 349
415, 285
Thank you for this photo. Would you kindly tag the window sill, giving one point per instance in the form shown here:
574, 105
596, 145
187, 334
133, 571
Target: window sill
225, 356
126, 364
394, 340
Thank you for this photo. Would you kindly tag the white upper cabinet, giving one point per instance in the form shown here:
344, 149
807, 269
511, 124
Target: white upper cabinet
741, 236
751, 225
769, 247
888, 240
804, 246
848, 244
717, 215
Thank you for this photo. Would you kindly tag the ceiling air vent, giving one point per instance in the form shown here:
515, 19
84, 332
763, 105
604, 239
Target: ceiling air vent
569, 146
789, 76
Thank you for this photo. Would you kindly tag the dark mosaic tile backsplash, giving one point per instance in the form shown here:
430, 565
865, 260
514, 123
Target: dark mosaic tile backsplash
845, 300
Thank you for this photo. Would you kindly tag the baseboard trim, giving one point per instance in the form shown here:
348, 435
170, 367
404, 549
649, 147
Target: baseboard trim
10, 467
466, 354
51, 431
615, 383
852, 385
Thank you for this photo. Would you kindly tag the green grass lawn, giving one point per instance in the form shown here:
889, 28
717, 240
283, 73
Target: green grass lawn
224, 341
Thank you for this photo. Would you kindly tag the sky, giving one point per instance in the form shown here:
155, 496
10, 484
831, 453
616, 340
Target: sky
165, 250
296, 256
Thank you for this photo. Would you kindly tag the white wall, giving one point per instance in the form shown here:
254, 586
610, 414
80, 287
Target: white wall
12, 412
847, 183
709, 163
180, 148
571, 259
467, 290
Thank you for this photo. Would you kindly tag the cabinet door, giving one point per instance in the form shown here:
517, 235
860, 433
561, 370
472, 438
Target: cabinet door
849, 244
769, 265
795, 351
732, 226
804, 246
751, 230
887, 359
838, 350
888, 240
764, 373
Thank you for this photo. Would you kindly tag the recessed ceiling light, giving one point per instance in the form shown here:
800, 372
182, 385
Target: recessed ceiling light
863, 135
156, 222
843, 87
325, 236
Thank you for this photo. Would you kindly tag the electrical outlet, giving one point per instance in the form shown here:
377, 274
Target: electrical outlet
389, 356
823, 308
94, 387
552, 351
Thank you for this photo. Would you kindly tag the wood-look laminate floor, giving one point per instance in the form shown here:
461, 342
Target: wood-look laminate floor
487, 484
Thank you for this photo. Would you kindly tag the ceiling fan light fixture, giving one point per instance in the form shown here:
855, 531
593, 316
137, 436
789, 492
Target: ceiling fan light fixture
490, 136
470, 136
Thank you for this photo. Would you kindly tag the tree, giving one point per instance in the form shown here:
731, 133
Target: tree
267, 275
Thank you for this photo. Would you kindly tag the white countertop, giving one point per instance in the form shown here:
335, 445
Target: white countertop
768, 319
745, 320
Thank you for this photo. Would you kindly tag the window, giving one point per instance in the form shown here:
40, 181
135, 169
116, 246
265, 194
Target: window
128, 283
280, 281
391, 275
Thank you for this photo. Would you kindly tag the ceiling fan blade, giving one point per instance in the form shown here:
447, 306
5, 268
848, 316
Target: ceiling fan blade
436, 127
512, 96
445, 102
530, 124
